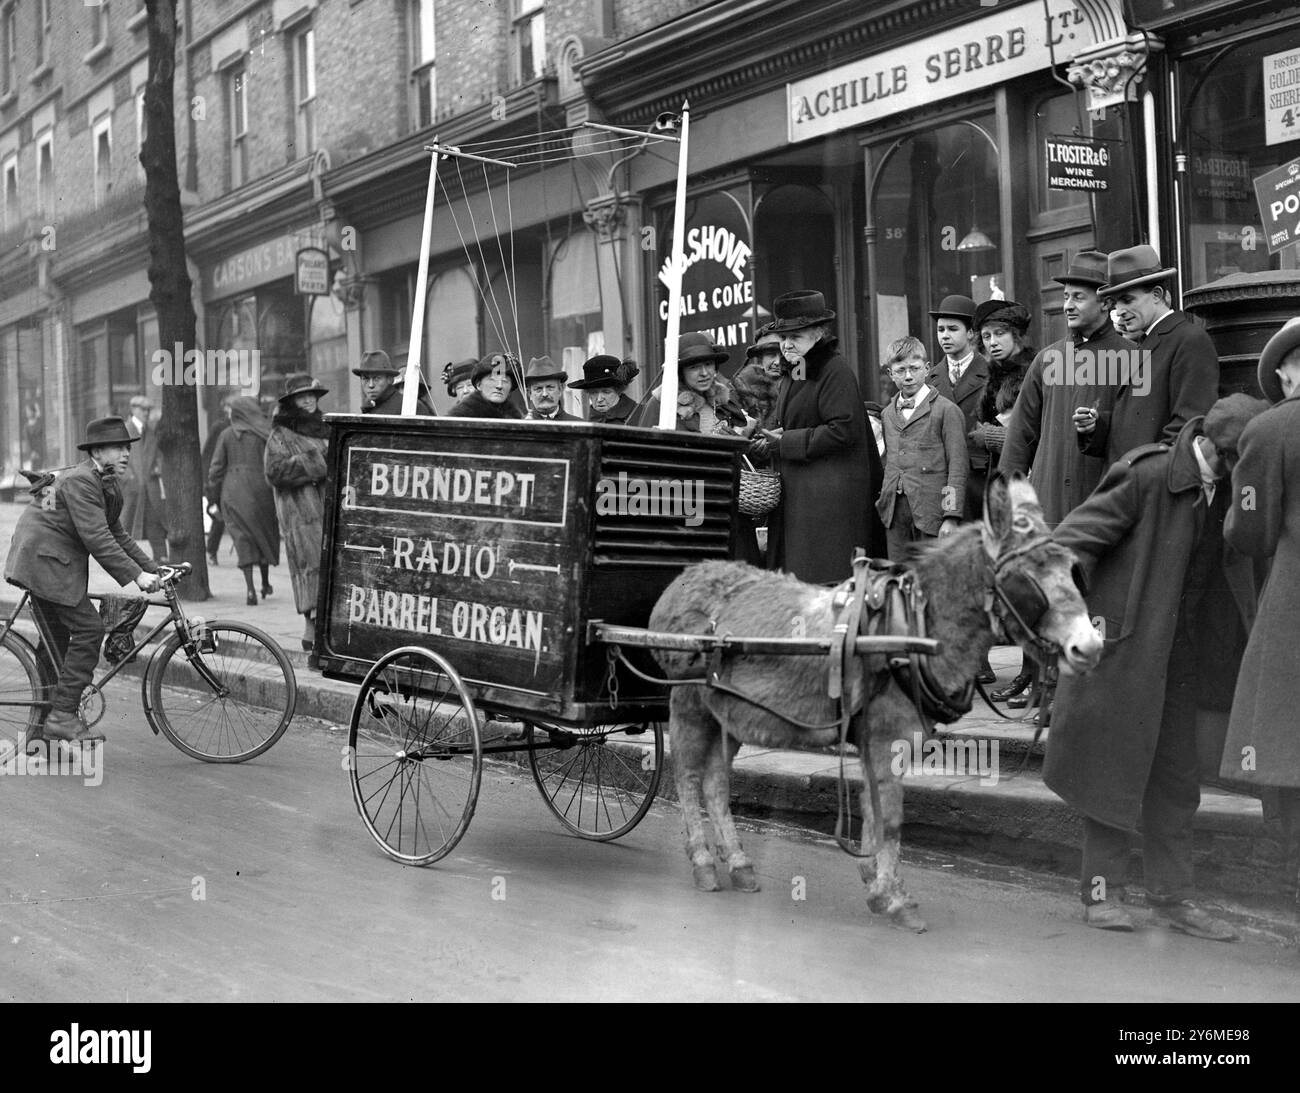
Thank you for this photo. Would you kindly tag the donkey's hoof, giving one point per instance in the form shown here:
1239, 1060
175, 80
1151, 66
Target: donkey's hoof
908, 918
743, 879
706, 878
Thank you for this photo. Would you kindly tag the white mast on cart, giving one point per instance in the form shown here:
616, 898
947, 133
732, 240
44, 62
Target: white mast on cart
668, 386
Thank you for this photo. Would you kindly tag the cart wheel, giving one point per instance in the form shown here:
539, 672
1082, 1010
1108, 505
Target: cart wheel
416, 758
597, 781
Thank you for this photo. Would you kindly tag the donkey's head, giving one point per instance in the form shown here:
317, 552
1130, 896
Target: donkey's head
1037, 586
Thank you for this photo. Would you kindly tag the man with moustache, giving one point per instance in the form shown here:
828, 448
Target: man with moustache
77, 516
544, 383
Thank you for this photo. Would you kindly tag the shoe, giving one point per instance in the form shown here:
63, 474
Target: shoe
1108, 915
1186, 917
1020, 701
1013, 688
251, 598
212, 559
308, 646
69, 728
986, 676
266, 590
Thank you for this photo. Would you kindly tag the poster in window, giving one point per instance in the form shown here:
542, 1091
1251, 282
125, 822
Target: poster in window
1282, 97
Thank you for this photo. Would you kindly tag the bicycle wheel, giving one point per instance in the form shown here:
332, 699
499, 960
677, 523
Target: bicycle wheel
23, 689
228, 701
598, 786
415, 755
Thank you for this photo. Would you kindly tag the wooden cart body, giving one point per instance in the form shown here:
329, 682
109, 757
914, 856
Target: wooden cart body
498, 542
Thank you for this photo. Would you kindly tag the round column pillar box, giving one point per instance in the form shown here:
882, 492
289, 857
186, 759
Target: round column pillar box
1241, 312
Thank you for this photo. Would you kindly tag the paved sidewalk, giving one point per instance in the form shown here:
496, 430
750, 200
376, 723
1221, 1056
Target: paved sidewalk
1011, 817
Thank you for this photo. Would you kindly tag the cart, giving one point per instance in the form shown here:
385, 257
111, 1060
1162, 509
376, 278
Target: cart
488, 584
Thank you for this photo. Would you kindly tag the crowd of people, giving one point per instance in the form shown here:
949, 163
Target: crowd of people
1174, 500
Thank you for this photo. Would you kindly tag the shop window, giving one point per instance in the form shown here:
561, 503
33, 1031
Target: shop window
530, 39
577, 319
450, 327
1238, 124
1057, 116
794, 246
937, 227
424, 87
396, 289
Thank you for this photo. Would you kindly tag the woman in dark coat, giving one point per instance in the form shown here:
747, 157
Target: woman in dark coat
1001, 326
296, 468
825, 451
490, 398
604, 379
237, 482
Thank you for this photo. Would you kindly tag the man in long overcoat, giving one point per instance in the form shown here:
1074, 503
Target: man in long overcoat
73, 518
1041, 437
1172, 378
1175, 606
144, 515
1263, 742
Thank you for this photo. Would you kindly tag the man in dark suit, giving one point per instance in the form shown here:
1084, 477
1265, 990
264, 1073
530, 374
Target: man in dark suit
142, 487
77, 516
959, 376
1173, 378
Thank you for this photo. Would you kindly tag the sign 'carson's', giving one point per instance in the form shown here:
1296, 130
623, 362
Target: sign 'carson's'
1011, 43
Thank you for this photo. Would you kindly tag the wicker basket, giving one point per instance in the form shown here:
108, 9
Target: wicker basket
760, 491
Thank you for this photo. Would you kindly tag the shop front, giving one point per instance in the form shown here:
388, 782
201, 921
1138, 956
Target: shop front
885, 158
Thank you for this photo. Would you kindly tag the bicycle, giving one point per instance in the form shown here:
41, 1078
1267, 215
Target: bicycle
227, 699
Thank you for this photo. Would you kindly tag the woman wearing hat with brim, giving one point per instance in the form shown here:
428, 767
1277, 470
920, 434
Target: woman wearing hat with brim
829, 463
1263, 724
77, 516
604, 381
296, 469
493, 380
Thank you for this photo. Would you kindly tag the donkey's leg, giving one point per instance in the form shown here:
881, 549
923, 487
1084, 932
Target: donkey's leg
717, 799
885, 893
693, 733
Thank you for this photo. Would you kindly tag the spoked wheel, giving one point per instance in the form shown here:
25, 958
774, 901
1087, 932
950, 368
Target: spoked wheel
416, 757
596, 780
228, 701
23, 687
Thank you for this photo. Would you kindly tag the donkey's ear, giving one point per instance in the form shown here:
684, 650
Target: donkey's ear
997, 513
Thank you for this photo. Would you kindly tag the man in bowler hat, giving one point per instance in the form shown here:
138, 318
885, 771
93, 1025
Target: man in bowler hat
73, 518
1041, 438
959, 376
381, 387
1172, 377
544, 383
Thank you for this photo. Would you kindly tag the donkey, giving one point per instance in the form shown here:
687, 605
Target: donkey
958, 576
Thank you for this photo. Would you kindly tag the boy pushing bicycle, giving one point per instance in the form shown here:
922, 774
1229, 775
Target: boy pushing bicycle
76, 517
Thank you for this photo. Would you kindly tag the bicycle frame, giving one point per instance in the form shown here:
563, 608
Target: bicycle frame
171, 600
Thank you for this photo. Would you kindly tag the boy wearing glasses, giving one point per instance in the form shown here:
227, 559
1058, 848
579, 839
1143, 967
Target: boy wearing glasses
924, 486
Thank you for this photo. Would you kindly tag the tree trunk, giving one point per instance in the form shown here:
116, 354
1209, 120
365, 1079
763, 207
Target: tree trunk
170, 288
